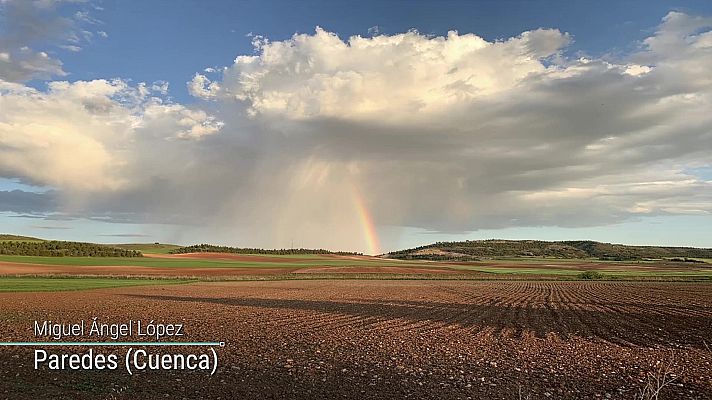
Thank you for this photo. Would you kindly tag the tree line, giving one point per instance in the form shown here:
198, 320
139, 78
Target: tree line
53, 248
209, 248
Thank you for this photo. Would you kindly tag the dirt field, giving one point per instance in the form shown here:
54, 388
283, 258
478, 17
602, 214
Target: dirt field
657, 266
214, 266
235, 257
7, 268
389, 339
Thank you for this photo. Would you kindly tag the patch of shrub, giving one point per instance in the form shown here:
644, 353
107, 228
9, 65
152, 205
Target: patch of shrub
591, 275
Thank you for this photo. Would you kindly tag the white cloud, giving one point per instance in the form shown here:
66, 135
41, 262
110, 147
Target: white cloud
200, 86
85, 16
60, 137
29, 23
391, 77
160, 87
71, 48
24, 64
79, 136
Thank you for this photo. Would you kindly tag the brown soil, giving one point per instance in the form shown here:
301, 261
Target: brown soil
7, 268
388, 340
585, 266
375, 270
10, 268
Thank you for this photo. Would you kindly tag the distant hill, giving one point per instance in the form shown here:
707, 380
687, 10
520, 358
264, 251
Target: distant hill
484, 249
208, 248
6, 238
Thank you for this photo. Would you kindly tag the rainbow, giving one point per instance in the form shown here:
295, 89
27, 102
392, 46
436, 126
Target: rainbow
369, 228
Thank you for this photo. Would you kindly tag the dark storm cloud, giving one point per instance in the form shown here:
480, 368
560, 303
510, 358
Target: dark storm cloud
18, 201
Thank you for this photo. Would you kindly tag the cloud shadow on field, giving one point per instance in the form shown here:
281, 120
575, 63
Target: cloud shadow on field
649, 325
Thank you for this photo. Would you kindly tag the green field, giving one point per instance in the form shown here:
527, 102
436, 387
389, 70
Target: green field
295, 261
17, 284
148, 248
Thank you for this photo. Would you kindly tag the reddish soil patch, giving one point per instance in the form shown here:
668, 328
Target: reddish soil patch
375, 270
135, 271
388, 340
585, 266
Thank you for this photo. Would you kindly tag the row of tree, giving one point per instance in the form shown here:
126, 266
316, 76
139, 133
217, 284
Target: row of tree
209, 248
63, 249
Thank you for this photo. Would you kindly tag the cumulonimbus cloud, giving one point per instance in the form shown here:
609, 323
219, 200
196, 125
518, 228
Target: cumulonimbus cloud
458, 133
382, 78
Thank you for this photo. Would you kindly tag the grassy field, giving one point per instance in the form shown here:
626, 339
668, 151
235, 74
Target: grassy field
148, 248
294, 261
17, 284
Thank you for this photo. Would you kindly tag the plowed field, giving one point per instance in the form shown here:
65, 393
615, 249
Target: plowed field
389, 339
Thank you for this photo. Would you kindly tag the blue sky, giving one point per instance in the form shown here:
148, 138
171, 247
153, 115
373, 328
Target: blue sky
653, 188
150, 41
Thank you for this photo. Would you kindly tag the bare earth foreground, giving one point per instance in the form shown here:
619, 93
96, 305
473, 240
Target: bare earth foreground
387, 339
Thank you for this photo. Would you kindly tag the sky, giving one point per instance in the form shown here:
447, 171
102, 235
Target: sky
363, 126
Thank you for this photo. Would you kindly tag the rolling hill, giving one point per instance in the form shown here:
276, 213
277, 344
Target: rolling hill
485, 249
18, 238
